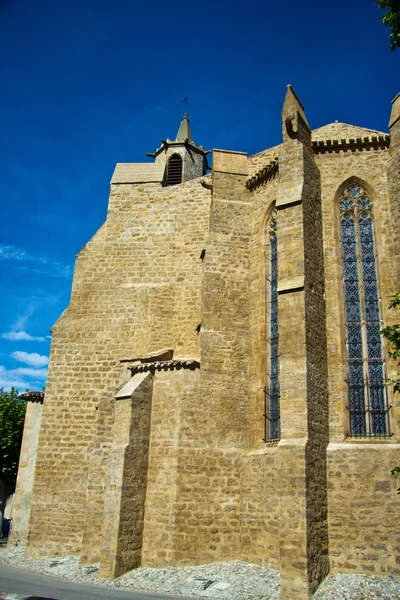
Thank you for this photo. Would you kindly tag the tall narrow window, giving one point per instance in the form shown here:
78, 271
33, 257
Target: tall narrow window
368, 408
174, 170
271, 391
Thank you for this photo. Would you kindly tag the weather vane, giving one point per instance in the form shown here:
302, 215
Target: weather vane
186, 101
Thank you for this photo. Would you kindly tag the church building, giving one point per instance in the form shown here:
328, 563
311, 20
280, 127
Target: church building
217, 384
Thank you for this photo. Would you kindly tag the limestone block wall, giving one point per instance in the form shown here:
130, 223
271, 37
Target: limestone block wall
171, 407
193, 485
125, 493
136, 289
219, 492
259, 518
363, 508
193, 501
162, 232
26, 472
362, 505
225, 344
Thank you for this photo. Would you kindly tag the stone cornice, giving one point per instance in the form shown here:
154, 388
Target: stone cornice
31, 396
165, 365
263, 175
375, 142
178, 144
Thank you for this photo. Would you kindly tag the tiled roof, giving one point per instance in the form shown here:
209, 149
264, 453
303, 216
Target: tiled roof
334, 131
31, 396
138, 173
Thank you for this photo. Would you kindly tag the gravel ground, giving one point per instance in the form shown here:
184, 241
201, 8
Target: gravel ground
234, 580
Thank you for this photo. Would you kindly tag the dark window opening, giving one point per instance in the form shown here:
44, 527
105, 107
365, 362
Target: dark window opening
174, 170
272, 430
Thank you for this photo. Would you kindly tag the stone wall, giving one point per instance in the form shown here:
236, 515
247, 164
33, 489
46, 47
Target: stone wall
259, 518
363, 508
136, 289
125, 495
191, 513
26, 473
361, 499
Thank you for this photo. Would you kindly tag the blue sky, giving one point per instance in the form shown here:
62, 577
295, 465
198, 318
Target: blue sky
87, 84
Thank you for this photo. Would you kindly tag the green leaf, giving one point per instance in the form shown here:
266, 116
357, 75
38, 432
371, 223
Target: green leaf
391, 19
12, 417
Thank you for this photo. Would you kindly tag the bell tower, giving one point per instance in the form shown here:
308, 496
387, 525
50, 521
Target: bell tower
183, 159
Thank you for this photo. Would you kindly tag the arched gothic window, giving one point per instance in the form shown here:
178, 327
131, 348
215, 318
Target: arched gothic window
271, 391
368, 409
174, 170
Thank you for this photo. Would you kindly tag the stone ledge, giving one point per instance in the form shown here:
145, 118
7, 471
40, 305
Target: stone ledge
165, 365
291, 285
31, 396
158, 355
366, 444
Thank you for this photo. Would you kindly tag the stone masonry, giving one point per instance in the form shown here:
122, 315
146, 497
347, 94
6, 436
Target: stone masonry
156, 443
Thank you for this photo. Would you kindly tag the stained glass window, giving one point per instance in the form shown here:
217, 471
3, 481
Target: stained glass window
272, 413
368, 407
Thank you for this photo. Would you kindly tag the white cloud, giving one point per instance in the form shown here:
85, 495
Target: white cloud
22, 378
42, 264
17, 336
30, 358
13, 253
22, 320
33, 373
7, 382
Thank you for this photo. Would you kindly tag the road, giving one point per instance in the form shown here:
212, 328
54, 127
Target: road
29, 583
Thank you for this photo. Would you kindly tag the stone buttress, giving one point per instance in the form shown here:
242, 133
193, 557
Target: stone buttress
303, 367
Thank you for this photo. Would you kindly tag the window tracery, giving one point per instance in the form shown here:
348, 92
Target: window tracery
271, 391
367, 407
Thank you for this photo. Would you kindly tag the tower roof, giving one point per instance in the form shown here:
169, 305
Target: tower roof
184, 131
183, 138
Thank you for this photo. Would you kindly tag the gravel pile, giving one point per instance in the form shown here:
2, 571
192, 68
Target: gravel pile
234, 580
